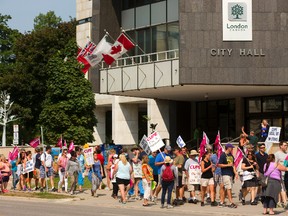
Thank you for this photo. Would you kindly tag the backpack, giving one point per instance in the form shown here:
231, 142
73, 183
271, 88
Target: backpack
168, 174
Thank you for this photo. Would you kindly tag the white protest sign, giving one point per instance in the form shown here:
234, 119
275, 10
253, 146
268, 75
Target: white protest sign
194, 172
29, 167
137, 170
154, 141
144, 145
88, 154
180, 142
273, 136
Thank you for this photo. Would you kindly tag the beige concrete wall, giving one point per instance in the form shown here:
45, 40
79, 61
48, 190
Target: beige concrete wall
83, 9
5, 150
158, 112
124, 122
99, 131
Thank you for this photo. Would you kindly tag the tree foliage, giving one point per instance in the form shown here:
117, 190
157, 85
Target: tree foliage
30, 82
69, 101
49, 19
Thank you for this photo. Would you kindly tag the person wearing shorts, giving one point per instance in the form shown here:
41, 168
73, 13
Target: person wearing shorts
207, 178
226, 163
46, 169
179, 163
218, 180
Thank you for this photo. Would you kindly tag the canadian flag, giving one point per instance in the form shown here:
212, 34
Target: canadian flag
121, 46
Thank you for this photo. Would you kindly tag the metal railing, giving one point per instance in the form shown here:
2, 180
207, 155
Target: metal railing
142, 59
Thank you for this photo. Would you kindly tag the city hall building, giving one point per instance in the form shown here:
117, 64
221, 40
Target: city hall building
206, 64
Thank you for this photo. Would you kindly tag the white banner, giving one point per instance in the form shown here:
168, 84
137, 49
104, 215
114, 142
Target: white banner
194, 172
237, 20
144, 145
29, 167
88, 154
154, 141
180, 142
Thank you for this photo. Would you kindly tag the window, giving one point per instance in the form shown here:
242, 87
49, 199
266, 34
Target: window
254, 105
272, 104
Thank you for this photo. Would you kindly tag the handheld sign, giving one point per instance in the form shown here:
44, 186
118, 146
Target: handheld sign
194, 172
144, 145
273, 134
154, 141
88, 154
180, 142
29, 167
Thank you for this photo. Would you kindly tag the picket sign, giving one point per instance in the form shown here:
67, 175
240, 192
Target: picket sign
154, 141
88, 154
144, 145
29, 167
180, 142
273, 137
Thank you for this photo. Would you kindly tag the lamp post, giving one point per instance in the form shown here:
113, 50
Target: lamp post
5, 111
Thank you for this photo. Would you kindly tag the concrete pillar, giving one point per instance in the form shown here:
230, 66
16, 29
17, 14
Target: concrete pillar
124, 122
100, 131
158, 112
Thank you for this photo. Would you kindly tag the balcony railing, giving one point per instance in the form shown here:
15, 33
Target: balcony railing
144, 58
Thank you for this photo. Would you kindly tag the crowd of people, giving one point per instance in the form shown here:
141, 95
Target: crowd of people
139, 176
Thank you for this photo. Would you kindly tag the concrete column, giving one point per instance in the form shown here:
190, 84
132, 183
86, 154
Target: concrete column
124, 122
158, 112
239, 114
99, 131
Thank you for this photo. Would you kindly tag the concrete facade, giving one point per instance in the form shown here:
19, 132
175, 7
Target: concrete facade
201, 30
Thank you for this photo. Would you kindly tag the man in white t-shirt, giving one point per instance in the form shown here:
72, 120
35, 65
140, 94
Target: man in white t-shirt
279, 158
46, 169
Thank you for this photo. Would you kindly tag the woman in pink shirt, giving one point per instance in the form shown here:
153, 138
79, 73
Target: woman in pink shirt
271, 192
62, 162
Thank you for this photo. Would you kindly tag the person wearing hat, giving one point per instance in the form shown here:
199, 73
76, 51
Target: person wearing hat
179, 163
228, 170
159, 161
168, 175
193, 171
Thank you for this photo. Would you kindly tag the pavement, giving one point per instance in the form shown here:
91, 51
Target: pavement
108, 204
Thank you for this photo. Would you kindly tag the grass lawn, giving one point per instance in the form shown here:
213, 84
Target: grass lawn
43, 195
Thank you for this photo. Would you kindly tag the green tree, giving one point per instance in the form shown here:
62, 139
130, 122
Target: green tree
27, 80
69, 101
49, 19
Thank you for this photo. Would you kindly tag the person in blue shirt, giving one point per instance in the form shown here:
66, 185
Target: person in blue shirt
159, 161
81, 161
14, 173
218, 180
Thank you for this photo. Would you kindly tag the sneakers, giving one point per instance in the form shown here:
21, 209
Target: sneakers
221, 205
214, 203
162, 206
54, 189
202, 204
254, 202
208, 200
41, 189
5, 191
169, 206
243, 201
92, 192
232, 205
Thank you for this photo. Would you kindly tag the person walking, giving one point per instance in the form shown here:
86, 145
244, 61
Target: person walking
72, 170
62, 163
97, 174
207, 178
123, 171
147, 178
270, 194
228, 170
168, 175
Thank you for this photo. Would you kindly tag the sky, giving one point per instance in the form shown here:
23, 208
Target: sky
23, 12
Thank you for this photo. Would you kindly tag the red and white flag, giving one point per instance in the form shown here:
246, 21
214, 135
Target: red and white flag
89, 48
35, 142
203, 144
217, 145
121, 46
71, 147
83, 61
96, 56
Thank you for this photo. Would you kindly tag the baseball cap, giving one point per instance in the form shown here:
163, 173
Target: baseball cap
168, 147
229, 145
